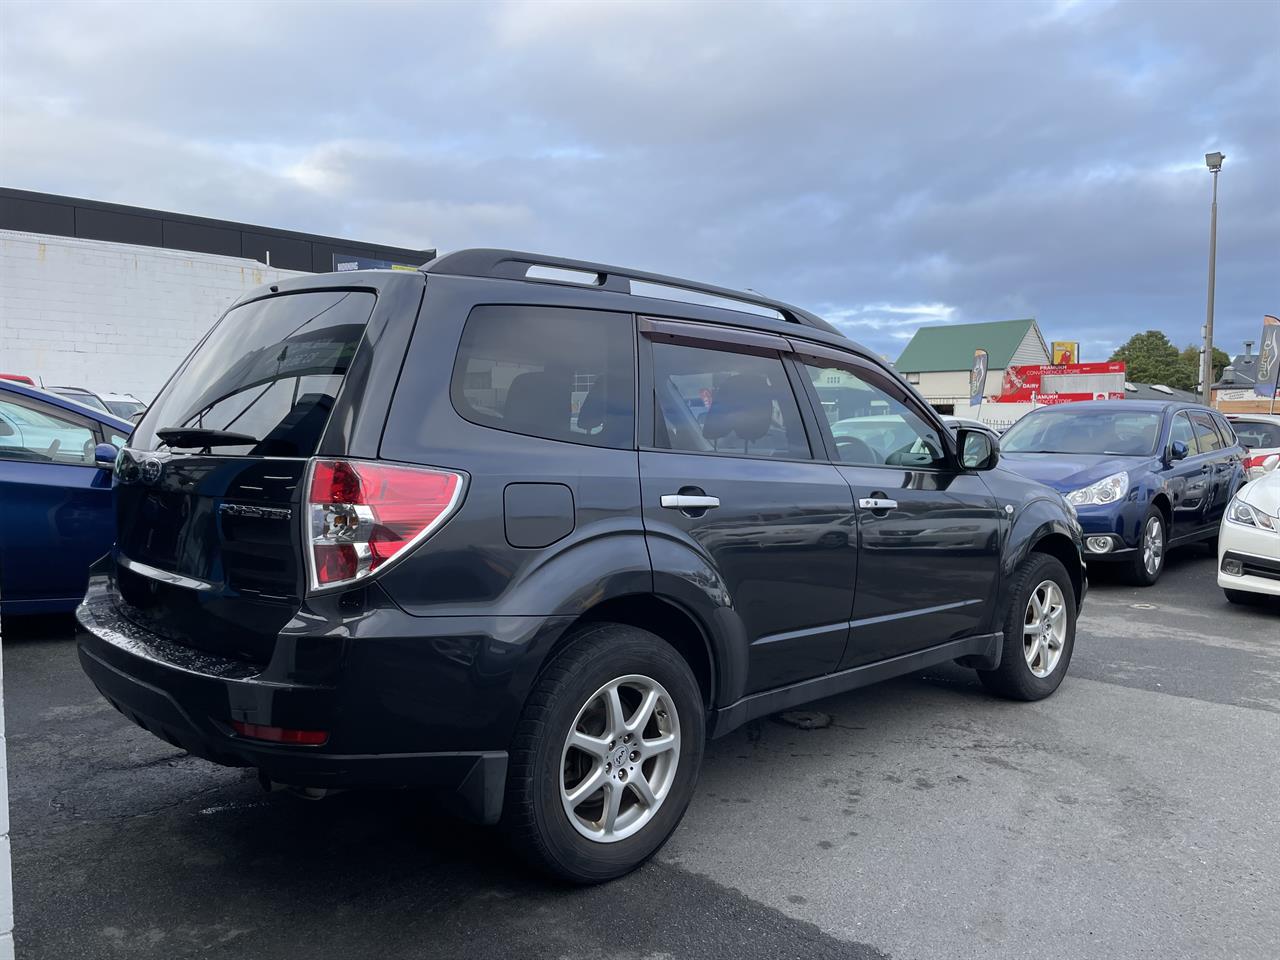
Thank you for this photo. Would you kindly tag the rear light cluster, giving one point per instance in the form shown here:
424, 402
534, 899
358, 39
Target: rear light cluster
302, 738
363, 515
1258, 462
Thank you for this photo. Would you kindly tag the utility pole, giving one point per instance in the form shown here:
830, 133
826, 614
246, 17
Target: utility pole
1214, 162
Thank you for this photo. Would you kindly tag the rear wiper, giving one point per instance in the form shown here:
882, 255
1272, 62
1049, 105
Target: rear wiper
204, 438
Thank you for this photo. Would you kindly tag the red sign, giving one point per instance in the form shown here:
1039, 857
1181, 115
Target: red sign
1063, 383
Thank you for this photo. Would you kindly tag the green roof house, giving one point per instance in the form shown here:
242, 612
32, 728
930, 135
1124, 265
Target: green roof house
938, 359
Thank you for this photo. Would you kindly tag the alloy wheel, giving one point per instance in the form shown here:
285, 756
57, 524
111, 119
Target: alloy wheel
619, 758
1044, 628
1153, 546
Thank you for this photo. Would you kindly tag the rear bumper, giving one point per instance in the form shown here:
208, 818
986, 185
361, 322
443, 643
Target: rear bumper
387, 727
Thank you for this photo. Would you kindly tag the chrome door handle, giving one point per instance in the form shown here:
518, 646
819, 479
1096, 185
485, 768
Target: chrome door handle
877, 503
682, 501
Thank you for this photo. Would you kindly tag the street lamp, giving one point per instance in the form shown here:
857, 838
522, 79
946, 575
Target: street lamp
1214, 162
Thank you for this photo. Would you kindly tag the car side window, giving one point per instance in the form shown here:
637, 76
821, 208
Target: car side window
1224, 429
41, 433
869, 421
721, 401
1181, 431
1206, 433
549, 372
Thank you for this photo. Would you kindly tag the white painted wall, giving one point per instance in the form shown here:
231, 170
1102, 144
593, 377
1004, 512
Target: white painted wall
113, 317
952, 386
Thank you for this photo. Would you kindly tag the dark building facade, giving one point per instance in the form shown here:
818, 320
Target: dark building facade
286, 249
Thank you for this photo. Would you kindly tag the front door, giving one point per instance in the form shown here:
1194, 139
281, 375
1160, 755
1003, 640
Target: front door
731, 477
57, 505
1190, 479
929, 533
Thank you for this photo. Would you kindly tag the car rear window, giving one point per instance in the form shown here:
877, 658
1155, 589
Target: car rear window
548, 372
1257, 433
270, 369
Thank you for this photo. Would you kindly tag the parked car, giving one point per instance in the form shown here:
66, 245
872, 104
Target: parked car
1249, 540
55, 488
86, 398
1144, 475
1260, 435
368, 534
124, 405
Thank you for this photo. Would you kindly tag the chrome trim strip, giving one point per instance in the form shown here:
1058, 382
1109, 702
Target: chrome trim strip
164, 576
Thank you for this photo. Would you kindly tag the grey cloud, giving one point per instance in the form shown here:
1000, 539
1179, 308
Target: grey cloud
995, 160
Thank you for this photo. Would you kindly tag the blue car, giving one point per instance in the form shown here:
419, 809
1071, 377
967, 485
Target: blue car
1143, 476
56, 457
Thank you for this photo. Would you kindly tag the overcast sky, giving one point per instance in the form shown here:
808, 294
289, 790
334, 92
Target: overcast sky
885, 165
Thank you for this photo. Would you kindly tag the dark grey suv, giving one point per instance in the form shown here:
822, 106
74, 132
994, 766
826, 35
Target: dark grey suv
526, 531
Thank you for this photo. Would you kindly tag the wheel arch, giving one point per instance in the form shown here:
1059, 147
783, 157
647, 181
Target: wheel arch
1060, 547
664, 618
1043, 527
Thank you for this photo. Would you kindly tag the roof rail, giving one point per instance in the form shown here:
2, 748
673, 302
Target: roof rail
516, 265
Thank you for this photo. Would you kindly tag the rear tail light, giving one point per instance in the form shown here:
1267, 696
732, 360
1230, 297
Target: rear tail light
1251, 463
363, 515
302, 738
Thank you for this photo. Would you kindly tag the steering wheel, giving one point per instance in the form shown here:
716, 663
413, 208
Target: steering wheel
853, 450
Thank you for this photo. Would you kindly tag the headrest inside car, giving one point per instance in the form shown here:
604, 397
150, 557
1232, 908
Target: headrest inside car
742, 406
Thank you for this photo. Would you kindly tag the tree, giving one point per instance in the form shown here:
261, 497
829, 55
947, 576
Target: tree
1191, 362
1150, 358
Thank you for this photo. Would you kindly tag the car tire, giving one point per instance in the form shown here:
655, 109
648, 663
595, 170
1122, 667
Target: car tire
1242, 597
1033, 664
572, 695
1140, 571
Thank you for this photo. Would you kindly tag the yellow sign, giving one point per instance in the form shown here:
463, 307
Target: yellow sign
1066, 351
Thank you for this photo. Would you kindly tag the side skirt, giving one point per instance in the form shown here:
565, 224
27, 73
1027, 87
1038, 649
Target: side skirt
983, 651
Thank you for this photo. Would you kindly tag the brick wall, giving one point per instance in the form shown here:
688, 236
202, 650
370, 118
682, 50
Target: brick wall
113, 317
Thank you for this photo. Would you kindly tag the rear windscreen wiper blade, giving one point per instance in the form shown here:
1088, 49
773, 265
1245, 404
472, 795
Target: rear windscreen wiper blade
204, 438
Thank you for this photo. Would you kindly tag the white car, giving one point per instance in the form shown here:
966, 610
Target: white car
1260, 434
1249, 539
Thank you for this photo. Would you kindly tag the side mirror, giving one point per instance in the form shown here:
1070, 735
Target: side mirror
1271, 462
104, 456
978, 451
1178, 450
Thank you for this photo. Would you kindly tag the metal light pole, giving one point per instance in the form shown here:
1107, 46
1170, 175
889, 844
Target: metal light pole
1214, 162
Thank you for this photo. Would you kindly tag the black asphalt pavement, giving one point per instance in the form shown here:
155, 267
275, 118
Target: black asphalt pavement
1132, 814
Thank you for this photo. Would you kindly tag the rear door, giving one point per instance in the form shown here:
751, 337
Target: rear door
1220, 461
929, 533
209, 546
56, 517
730, 475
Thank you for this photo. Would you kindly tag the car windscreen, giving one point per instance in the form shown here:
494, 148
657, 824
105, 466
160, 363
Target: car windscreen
1071, 429
84, 399
1257, 433
271, 370
125, 408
